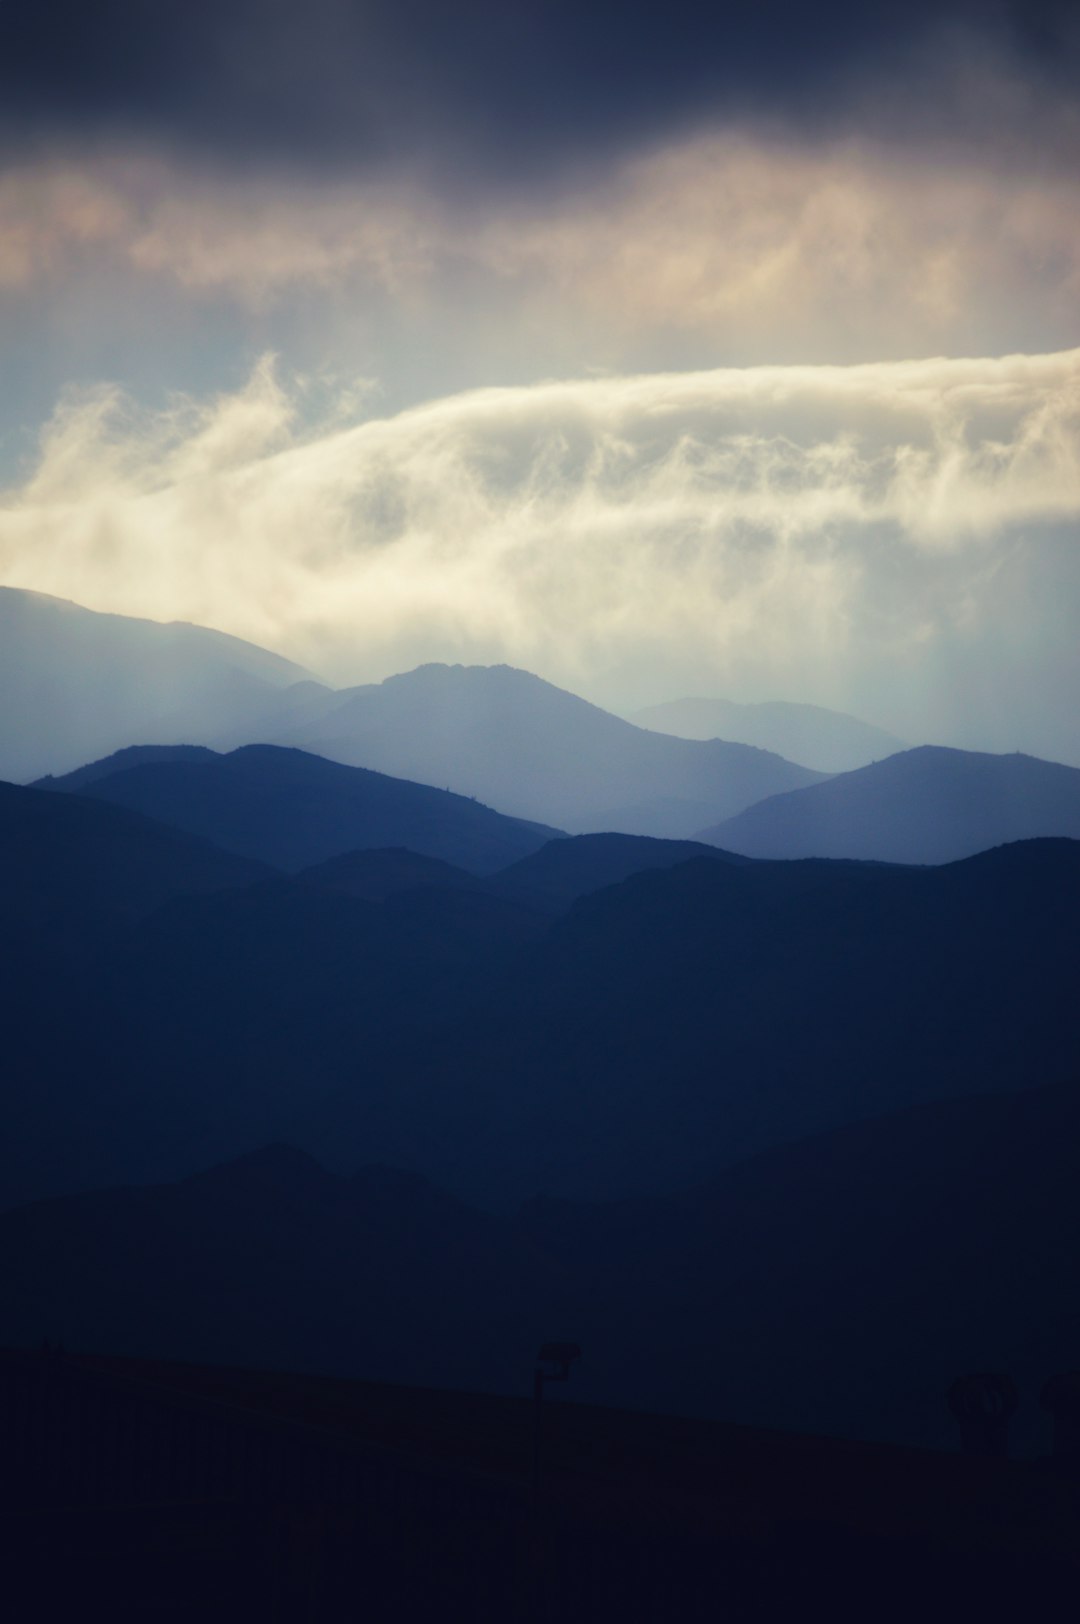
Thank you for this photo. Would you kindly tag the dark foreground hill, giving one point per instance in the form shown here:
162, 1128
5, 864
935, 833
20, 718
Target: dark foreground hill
166, 1490
78, 684
68, 862
929, 805
836, 1285
656, 1030
562, 871
828, 740
293, 810
536, 751
692, 1016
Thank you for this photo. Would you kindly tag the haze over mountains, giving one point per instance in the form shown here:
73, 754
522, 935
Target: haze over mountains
827, 740
533, 750
77, 685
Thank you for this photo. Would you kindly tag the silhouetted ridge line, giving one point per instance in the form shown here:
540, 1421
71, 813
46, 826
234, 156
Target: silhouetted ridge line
294, 810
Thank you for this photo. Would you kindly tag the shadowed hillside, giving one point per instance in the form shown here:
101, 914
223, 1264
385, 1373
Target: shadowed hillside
563, 870
692, 1016
293, 810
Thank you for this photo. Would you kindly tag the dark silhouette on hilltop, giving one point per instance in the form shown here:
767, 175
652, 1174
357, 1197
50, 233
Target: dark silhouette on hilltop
923, 806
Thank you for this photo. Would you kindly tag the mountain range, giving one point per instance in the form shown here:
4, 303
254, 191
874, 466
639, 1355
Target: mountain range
929, 805
535, 751
78, 685
601, 1014
291, 809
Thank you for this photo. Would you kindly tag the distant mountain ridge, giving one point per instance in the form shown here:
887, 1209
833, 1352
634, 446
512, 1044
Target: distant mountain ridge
536, 751
930, 805
829, 741
78, 684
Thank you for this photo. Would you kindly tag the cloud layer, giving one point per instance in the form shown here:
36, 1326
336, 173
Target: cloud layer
898, 537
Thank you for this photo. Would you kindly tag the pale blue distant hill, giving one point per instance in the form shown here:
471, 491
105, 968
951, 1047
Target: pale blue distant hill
829, 741
77, 685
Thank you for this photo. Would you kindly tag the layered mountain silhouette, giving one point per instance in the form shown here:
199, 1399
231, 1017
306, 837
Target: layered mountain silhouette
293, 810
67, 861
690, 1017
562, 871
835, 1285
491, 1032
78, 684
929, 805
827, 740
537, 752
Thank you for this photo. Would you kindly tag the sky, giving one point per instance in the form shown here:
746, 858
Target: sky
660, 350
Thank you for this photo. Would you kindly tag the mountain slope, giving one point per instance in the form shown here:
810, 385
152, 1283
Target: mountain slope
78, 684
562, 871
535, 751
693, 1016
929, 805
66, 859
828, 740
293, 810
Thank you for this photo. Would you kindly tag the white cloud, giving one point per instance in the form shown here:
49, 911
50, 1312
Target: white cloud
819, 523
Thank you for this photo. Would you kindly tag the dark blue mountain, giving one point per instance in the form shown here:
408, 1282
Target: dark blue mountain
293, 810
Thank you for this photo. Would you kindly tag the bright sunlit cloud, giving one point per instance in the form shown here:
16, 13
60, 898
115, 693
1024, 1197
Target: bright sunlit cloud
838, 528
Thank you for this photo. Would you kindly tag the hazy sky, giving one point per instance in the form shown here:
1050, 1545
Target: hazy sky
658, 349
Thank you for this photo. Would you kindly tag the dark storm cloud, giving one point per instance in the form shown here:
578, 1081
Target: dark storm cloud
482, 82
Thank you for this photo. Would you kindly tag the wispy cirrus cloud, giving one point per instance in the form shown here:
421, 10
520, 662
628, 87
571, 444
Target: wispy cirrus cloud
837, 528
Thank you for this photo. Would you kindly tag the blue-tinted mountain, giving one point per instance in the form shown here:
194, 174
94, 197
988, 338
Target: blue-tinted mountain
78, 685
293, 810
533, 750
384, 872
564, 870
690, 1017
828, 740
929, 805
654, 1029
66, 860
